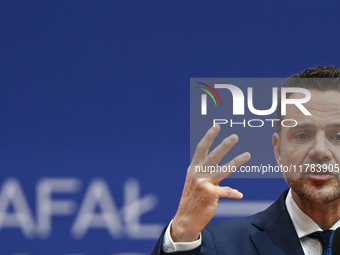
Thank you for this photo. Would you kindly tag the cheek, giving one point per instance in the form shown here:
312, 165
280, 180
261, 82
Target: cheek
294, 154
288, 158
291, 163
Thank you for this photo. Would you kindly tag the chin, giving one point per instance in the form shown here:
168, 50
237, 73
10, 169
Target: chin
320, 192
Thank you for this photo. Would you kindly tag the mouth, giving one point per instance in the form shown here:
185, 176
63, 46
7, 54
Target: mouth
319, 174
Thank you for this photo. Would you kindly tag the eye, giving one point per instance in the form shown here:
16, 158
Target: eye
304, 136
337, 137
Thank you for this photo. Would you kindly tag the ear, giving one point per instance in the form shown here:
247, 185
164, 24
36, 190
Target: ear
277, 148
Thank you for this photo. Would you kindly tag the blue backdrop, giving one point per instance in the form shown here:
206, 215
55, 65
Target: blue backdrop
94, 110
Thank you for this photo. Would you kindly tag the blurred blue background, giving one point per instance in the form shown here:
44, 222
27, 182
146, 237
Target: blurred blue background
94, 109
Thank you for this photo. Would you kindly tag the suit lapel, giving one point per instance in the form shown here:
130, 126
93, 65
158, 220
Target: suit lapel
278, 235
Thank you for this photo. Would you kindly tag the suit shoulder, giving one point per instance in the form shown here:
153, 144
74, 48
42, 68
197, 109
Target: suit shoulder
232, 236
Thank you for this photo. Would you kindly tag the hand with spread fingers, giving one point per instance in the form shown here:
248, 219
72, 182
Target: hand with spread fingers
200, 195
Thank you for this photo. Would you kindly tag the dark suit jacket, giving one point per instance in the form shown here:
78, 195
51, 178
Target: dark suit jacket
270, 232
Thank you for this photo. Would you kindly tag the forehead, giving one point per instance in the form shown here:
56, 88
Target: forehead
323, 105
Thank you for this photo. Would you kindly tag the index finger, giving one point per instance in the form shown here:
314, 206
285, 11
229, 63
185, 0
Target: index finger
202, 148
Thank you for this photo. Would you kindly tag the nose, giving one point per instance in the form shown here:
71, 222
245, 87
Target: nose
320, 149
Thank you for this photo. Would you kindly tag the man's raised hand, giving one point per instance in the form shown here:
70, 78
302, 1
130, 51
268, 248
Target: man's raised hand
200, 195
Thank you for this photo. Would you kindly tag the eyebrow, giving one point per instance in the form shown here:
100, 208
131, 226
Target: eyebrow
305, 125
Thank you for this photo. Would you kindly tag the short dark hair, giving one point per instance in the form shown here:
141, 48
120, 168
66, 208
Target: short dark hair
323, 78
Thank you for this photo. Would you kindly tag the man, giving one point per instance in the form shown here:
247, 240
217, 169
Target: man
302, 219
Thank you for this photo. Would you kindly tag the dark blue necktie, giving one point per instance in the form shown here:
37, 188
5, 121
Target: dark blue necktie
325, 238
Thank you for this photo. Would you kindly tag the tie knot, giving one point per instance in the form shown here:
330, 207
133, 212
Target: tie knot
325, 238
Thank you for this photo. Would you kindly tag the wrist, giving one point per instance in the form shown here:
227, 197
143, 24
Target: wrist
183, 232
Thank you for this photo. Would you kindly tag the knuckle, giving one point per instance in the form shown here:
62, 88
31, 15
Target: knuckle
205, 189
201, 186
230, 193
212, 157
200, 147
227, 193
225, 143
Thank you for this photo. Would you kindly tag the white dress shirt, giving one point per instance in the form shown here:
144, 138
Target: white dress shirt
170, 246
303, 224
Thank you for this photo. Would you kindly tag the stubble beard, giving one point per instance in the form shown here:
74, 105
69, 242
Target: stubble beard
315, 191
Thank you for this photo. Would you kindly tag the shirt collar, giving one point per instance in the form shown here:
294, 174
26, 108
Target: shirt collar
303, 224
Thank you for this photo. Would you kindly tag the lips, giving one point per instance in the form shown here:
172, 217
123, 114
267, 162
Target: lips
319, 174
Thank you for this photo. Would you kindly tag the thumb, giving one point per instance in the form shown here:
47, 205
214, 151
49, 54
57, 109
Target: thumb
228, 192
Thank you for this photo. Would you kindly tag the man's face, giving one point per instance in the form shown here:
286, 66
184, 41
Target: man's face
312, 147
